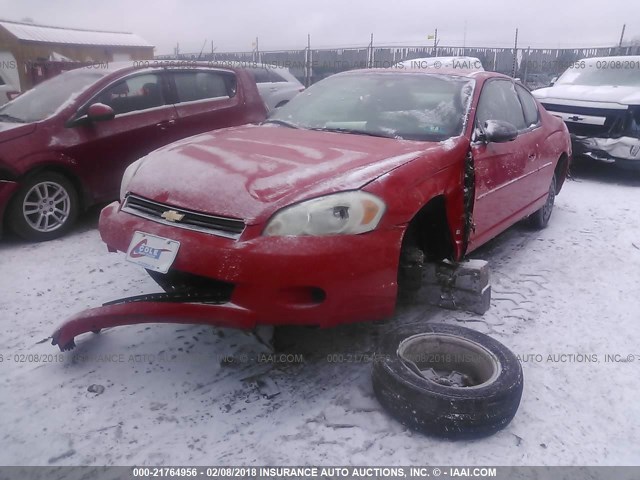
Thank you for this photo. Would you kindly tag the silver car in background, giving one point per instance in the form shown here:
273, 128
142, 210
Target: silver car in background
599, 100
276, 85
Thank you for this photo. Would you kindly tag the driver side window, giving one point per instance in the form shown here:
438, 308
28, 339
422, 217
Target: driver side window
134, 93
499, 101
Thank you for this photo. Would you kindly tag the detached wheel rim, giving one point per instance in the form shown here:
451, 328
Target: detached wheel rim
449, 360
46, 206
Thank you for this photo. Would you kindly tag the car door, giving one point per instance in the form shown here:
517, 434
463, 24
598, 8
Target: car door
540, 160
502, 187
280, 89
205, 100
143, 122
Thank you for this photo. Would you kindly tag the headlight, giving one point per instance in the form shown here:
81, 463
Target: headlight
128, 175
346, 213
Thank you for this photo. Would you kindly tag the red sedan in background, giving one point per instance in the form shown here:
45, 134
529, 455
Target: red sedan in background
65, 144
316, 216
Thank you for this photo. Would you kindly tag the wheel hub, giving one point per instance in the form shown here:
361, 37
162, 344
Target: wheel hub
46, 206
448, 378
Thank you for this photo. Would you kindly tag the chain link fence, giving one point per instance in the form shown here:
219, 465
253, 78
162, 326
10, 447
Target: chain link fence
536, 67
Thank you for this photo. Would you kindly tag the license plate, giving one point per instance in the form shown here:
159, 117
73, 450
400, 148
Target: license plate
152, 252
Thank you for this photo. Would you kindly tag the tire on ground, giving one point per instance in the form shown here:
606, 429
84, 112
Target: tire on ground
540, 218
432, 407
22, 227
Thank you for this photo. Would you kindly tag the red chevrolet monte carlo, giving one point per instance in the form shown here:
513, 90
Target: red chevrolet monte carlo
65, 144
314, 217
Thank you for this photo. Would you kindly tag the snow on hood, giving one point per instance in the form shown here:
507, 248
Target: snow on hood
11, 130
249, 172
624, 95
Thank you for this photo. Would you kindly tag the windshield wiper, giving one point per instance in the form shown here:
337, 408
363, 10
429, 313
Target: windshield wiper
280, 122
353, 131
9, 118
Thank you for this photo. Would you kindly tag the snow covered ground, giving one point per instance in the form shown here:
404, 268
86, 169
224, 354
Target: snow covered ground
166, 395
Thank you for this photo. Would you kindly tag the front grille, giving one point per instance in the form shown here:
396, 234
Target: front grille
191, 220
614, 120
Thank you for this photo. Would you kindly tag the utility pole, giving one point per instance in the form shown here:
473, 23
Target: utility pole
307, 73
526, 66
464, 40
370, 59
435, 43
204, 44
257, 51
621, 38
515, 56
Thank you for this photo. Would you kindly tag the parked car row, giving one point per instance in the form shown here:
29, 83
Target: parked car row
65, 144
398, 166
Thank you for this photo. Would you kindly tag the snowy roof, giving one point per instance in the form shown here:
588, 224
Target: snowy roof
41, 33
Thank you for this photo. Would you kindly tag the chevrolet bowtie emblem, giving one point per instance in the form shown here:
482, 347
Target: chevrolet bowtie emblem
575, 118
172, 216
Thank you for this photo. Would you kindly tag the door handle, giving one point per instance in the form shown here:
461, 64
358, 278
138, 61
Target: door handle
165, 124
532, 156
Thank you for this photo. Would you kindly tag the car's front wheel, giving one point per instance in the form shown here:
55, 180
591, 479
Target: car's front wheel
540, 219
45, 207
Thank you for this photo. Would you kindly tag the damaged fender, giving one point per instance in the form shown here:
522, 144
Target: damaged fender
609, 149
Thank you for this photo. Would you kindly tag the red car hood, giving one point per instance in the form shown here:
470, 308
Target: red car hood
9, 131
249, 172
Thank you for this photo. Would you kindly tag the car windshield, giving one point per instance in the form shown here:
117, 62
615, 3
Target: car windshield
48, 97
592, 76
427, 107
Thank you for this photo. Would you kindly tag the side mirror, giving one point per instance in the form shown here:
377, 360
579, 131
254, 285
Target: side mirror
553, 81
498, 131
99, 112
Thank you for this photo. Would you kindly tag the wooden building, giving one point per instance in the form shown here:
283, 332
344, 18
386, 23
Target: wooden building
40, 51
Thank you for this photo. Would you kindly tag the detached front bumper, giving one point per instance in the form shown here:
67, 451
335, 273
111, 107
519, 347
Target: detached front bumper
322, 281
623, 151
7, 189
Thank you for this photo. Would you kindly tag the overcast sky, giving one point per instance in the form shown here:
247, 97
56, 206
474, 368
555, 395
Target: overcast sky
232, 25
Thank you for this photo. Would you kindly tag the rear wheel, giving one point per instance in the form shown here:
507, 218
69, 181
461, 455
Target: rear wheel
540, 219
46, 207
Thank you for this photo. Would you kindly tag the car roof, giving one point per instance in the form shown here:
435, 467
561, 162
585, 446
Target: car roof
113, 67
248, 64
457, 62
157, 63
451, 72
440, 59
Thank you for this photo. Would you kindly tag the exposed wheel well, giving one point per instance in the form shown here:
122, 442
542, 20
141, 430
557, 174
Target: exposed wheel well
561, 171
429, 231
